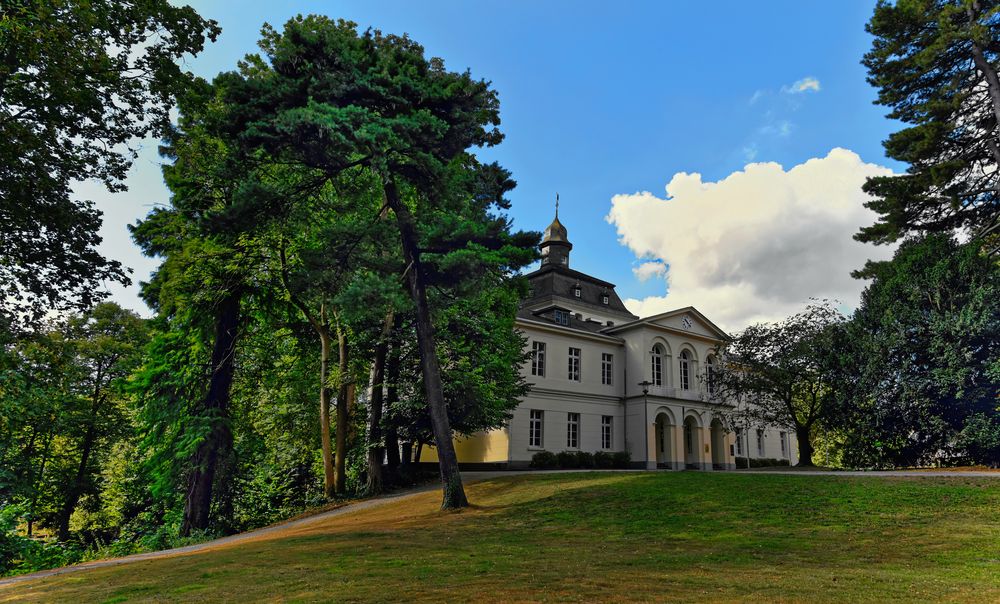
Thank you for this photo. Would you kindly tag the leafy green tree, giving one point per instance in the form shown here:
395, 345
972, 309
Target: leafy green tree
333, 100
107, 345
785, 372
935, 64
924, 352
79, 82
210, 259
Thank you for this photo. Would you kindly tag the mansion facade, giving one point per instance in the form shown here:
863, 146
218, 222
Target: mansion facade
603, 379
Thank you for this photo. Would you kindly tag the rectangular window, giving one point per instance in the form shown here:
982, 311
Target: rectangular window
574, 364
607, 368
573, 430
538, 358
784, 444
562, 317
657, 369
739, 442
685, 374
607, 433
535, 428
760, 443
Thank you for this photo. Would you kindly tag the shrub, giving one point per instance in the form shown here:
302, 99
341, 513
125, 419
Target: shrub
603, 460
767, 462
568, 460
584, 459
741, 462
544, 460
621, 460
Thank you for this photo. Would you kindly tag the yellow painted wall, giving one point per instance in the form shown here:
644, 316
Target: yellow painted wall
482, 447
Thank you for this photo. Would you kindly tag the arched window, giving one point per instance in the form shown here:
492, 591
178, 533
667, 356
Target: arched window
685, 360
656, 356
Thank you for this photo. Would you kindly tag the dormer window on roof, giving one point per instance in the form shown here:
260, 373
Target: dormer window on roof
604, 297
576, 290
561, 317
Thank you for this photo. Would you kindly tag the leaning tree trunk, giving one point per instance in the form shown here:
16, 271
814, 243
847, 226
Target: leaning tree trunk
343, 396
451, 478
218, 442
375, 399
805, 446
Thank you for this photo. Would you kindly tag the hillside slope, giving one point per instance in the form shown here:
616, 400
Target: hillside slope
602, 537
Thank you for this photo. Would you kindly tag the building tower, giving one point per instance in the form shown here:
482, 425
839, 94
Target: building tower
555, 244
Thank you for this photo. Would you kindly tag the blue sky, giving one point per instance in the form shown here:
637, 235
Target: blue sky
605, 99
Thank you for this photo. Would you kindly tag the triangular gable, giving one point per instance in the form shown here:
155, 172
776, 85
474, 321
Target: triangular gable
674, 319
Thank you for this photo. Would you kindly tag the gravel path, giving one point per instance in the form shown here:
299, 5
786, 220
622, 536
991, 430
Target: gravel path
470, 477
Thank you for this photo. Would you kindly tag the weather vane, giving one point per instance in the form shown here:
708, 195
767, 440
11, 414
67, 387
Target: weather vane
557, 205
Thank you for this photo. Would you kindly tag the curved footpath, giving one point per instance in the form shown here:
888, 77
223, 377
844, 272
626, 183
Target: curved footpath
470, 478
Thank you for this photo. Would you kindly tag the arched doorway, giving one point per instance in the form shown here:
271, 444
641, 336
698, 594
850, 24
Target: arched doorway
718, 445
692, 444
664, 442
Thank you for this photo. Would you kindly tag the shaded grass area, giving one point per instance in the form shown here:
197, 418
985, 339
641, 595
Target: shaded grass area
604, 537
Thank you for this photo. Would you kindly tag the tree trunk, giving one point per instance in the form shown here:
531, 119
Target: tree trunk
392, 397
329, 472
375, 398
76, 486
218, 442
407, 456
37, 483
805, 446
343, 394
451, 478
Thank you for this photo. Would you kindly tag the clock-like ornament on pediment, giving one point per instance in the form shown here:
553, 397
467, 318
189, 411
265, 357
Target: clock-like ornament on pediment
686, 322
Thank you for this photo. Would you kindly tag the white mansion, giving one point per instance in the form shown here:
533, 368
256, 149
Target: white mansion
603, 379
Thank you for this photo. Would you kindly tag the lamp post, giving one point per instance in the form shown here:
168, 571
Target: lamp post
645, 384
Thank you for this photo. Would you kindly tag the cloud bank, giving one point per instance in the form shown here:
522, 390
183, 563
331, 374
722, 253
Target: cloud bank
756, 245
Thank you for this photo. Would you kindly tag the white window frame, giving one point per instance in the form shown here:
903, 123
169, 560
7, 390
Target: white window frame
784, 444
760, 442
656, 366
739, 441
574, 357
607, 432
538, 358
607, 368
561, 317
572, 430
536, 429
685, 370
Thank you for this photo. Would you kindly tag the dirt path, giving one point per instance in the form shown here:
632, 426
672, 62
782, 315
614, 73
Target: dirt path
470, 477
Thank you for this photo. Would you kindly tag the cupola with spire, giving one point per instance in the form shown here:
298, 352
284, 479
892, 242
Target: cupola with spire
555, 244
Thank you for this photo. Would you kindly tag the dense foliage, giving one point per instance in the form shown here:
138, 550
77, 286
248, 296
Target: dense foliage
80, 81
935, 64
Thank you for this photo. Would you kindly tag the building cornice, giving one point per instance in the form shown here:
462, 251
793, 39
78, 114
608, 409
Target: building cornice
568, 331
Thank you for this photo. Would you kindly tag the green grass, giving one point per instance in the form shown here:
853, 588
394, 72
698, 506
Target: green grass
605, 537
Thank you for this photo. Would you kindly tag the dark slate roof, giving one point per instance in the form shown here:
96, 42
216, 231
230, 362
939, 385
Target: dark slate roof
552, 287
556, 233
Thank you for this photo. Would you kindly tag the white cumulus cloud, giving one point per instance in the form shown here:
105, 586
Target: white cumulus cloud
756, 245
809, 84
648, 270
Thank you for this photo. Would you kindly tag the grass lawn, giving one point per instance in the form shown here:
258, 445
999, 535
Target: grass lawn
604, 537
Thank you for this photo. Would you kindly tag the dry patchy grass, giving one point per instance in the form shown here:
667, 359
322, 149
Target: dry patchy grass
609, 537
